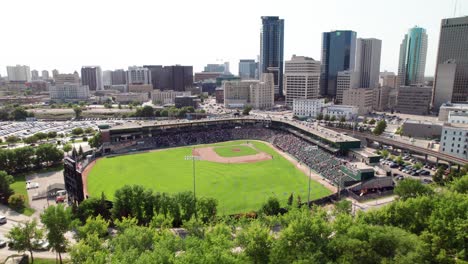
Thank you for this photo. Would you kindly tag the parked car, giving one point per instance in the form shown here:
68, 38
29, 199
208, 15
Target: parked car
399, 177
427, 181
31, 185
41, 244
3, 243
3, 219
393, 165
425, 173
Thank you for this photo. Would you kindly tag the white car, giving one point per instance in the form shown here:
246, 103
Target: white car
31, 185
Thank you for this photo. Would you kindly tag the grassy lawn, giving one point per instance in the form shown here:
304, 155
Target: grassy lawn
237, 187
235, 151
47, 261
19, 186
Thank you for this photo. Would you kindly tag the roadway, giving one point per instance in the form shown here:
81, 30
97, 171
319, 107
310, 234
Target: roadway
402, 145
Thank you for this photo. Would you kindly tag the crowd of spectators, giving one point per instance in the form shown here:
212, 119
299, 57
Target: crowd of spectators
322, 162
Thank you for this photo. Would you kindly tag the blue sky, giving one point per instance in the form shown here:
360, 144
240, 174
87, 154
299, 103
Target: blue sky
50, 34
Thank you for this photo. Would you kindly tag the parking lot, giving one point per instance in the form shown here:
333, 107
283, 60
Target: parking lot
44, 180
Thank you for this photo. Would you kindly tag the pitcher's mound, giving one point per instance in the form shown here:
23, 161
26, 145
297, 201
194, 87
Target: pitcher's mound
209, 154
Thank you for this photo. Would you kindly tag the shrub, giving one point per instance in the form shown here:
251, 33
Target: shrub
16, 201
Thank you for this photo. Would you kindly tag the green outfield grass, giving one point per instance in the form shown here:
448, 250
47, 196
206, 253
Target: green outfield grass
237, 187
235, 151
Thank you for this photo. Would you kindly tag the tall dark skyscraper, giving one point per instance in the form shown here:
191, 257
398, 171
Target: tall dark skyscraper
451, 78
272, 50
92, 76
338, 54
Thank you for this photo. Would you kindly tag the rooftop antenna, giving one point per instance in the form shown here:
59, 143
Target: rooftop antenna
455, 9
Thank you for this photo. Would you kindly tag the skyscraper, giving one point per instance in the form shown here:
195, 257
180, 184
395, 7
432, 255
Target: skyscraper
412, 63
45, 74
138, 75
451, 78
338, 54
118, 77
247, 69
272, 49
34, 75
301, 79
92, 76
368, 62
19, 73
106, 78
177, 77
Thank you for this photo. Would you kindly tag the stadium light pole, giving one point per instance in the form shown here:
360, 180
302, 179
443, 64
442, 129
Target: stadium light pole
193, 158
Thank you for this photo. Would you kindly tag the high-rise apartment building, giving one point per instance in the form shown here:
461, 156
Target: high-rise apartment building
345, 80
19, 73
92, 76
272, 50
69, 91
451, 78
247, 69
45, 74
34, 75
368, 62
138, 75
338, 54
301, 79
412, 62
106, 78
118, 77
55, 72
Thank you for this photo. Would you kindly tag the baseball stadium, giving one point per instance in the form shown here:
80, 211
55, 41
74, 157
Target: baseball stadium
241, 162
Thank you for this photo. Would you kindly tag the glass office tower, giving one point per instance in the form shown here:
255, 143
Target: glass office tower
272, 50
412, 63
338, 54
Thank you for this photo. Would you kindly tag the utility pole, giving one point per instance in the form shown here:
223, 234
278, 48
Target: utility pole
193, 158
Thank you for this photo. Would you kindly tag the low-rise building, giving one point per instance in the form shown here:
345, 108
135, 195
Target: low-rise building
69, 91
166, 97
123, 88
413, 100
446, 108
350, 112
307, 107
186, 101
204, 76
130, 97
454, 140
382, 98
458, 117
362, 98
140, 88
421, 129
62, 78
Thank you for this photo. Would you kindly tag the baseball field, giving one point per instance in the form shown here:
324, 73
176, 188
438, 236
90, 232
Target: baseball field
241, 175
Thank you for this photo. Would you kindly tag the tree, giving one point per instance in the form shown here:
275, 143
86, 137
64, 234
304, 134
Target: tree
88, 130
147, 111
256, 242
41, 135
95, 141
19, 113
77, 131
271, 207
438, 176
342, 119
247, 110
48, 154
333, 118
460, 185
206, 208
24, 237
12, 139
418, 165
94, 226
52, 134
93, 207
80, 151
290, 199
326, 117
67, 148
384, 153
372, 121
343, 207
119, 106
16, 202
57, 221
78, 111
5, 189
410, 188
30, 140
399, 160
380, 127
319, 116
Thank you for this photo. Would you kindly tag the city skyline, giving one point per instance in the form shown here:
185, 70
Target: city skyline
302, 32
